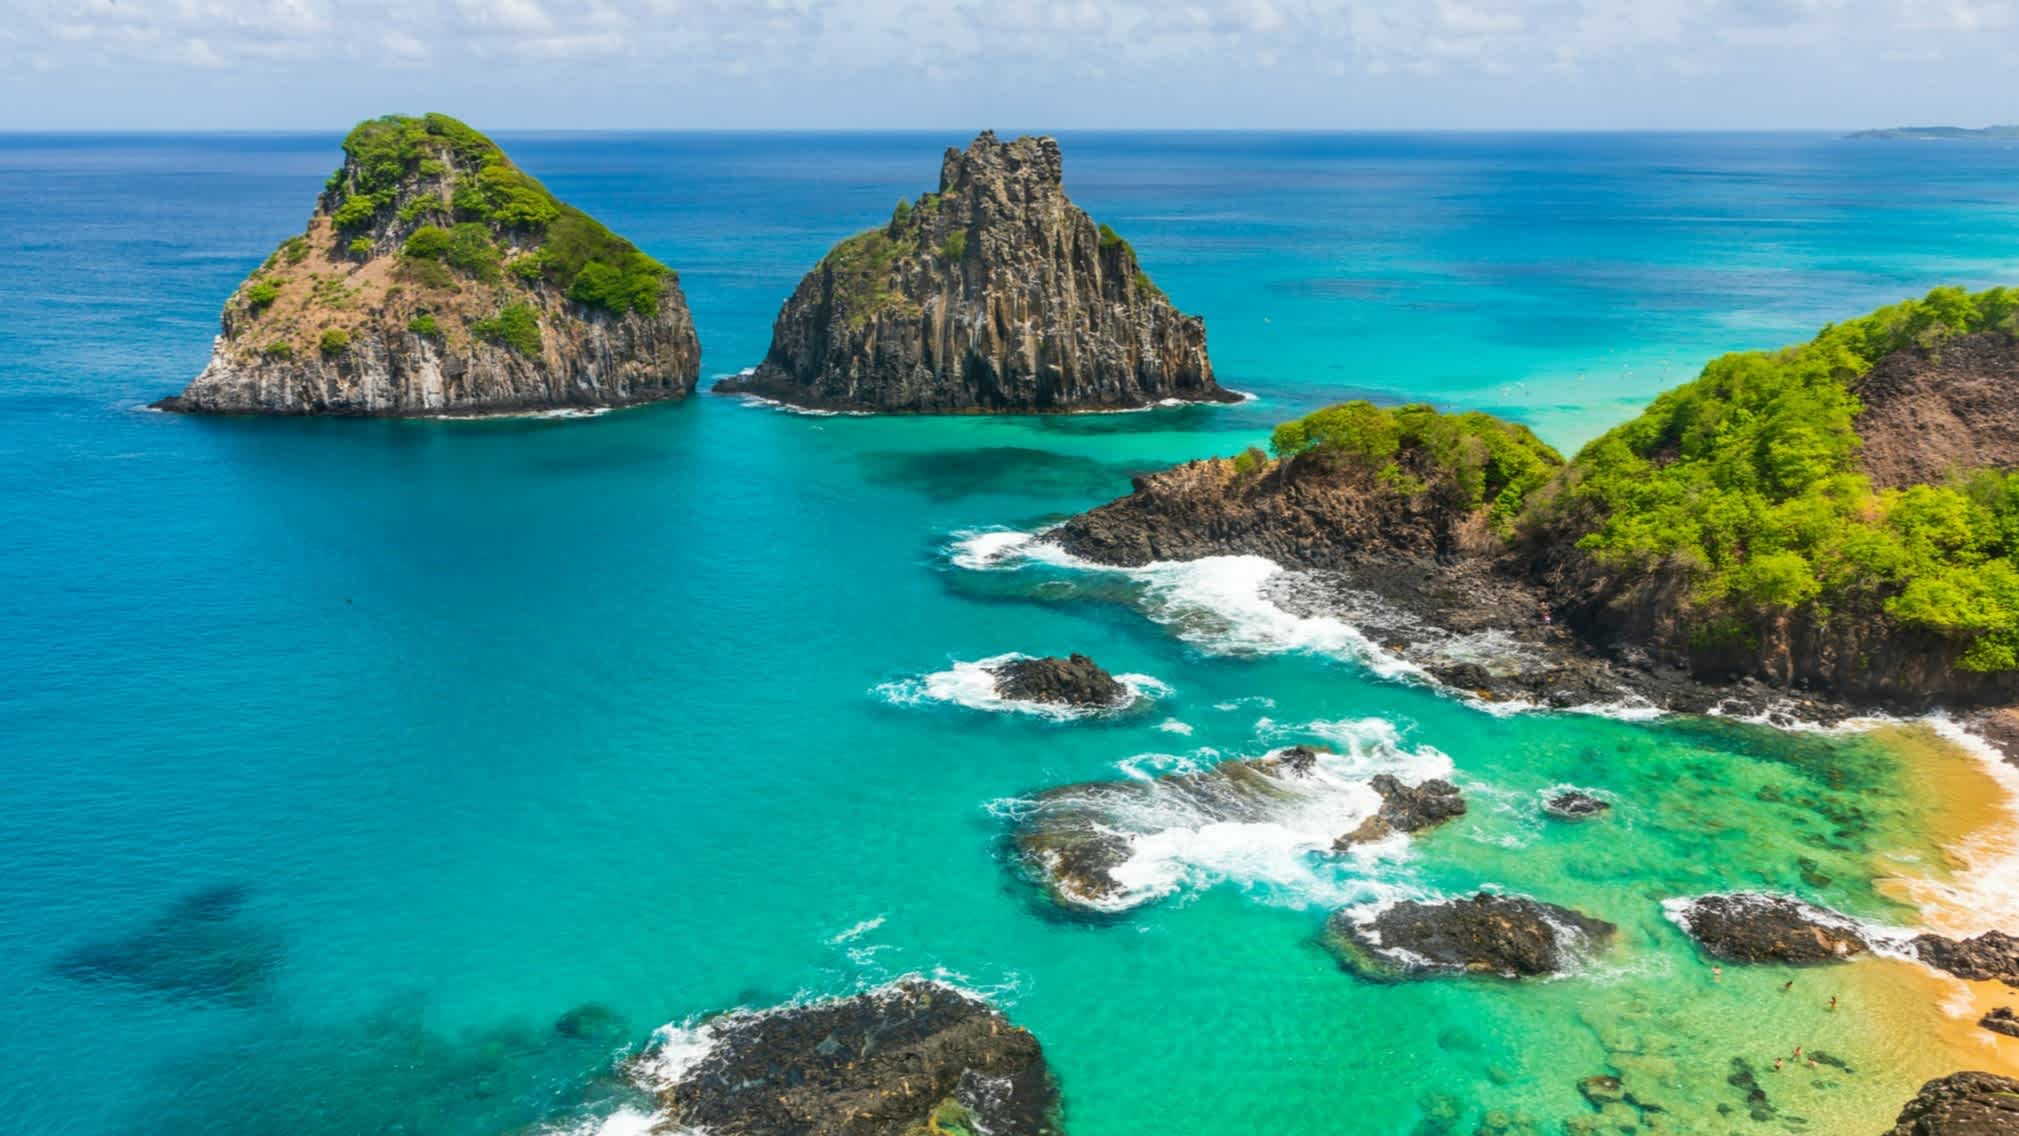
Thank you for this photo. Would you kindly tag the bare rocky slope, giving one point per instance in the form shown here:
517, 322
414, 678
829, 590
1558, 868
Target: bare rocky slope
436, 278
993, 294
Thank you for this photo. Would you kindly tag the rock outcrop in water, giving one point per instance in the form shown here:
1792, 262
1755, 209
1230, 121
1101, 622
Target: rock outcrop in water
1990, 957
436, 278
1074, 838
1405, 808
913, 1059
1749, 927
1075, 681
1511, 936
994, 294
1575, 804
1962, 1104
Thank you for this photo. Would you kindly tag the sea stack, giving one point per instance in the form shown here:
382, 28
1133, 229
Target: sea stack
995, 294
436, 278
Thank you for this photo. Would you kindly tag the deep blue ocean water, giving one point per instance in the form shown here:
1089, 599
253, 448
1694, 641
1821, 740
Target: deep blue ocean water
342, 757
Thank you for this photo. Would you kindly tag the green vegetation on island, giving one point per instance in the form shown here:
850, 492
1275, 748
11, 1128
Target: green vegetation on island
1744, 487
492, 210
1472, 459
1747, 483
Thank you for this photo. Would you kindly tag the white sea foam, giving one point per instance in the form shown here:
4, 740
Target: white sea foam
1174, 726
1186, 836
973, 685
857, 931
1983, 894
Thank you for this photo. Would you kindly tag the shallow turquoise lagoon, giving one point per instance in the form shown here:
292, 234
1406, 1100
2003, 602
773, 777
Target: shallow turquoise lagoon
341, 758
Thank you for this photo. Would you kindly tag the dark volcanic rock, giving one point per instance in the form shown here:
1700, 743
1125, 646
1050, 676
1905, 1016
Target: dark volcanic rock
1405, 808
1749, 927
995, 293
1575, 804
910, 1058
1962, 1104
1992, 956
2001, 1020
1073, 681
1512, 936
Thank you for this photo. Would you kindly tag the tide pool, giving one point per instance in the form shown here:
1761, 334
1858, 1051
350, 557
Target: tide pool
343, 758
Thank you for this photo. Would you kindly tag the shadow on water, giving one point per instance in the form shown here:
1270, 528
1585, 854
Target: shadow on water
388, 1072
952, 475
203, 947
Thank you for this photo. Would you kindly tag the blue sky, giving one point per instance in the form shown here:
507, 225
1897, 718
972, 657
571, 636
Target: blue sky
1061, 64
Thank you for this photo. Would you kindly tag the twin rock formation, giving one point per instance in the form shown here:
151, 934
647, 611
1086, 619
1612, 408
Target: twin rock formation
437, 279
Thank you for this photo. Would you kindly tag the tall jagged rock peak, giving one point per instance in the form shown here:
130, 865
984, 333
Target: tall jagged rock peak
437, 278
994, 294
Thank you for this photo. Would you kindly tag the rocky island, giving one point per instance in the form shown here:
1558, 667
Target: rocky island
994, 293
909, 1059
1836, 522
437, 278
1509, 936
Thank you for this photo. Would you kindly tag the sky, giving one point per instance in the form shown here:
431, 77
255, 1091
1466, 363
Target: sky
1054, 64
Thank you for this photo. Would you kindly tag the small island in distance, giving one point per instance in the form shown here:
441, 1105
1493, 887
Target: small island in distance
1943, 133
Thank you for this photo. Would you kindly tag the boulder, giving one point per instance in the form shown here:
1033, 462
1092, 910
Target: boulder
1405, 808
1576, 804
914, 1057
1511, 936
1072, 681
1992, 956
1751, 927
1962, 1104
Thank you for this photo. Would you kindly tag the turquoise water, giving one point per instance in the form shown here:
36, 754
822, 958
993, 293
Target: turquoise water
478, 722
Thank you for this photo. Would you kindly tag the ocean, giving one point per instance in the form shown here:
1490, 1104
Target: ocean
343, 758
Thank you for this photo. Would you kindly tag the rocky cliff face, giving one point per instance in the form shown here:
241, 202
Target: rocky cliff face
995, 293
435, 278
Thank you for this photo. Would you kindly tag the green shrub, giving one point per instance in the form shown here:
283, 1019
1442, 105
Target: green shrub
900, 216
529, 267
424, 324
428, 242
335, 341
471, 249
1249, 461
1111, 240
355, 213
360, 246
516, 326
430, 167
421, 207
625, 279
259, 294
1475, 459
429, 274
954, 246
294, 249
278, 349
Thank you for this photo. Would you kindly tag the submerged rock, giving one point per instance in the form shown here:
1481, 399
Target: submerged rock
202, 947
1512, 936
2001, 1020
1072, 681
436, 278
1751, 927
1992, 956
995, 293
911, 1058
1962, 1104
1405, 808
1576, 804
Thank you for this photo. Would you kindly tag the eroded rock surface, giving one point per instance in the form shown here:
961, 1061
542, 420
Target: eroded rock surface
912, 1058
1962, 1104
1405, 808
1511, 936
1072, 681
1992, 956
1750, 927
993, 294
